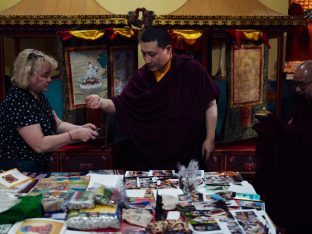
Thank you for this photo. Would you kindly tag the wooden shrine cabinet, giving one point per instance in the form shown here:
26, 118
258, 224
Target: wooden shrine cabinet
82, 157
238, 157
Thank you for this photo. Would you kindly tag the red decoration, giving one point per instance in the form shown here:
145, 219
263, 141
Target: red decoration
238, 36
65, 35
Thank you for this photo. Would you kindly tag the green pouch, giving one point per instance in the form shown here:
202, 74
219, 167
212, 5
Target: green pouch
29, 207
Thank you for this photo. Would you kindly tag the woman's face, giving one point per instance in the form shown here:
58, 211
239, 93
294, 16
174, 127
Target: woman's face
41, 78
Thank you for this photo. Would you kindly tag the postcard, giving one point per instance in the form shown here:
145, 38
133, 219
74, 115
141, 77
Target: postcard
245, 204
131, 183
222, 178
136, 173
38, 225
162, 172
204, 223
205, 205
147, 182
247, 196
253, 221
12, 178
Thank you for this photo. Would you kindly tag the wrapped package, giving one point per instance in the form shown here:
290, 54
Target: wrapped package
100, 217
79, 200
106, 196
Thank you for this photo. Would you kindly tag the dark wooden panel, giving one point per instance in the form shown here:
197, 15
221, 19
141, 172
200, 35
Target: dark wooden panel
82, 157
242, 162
84, 161
215, 162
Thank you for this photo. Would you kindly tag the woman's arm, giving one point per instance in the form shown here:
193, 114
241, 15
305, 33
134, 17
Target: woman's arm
67, 133
34, 137
66, 126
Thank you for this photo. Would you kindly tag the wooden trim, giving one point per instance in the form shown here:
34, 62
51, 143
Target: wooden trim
279, 74
62, 20
230, 21
2, 69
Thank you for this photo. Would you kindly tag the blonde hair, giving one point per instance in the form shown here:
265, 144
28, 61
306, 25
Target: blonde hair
27, 63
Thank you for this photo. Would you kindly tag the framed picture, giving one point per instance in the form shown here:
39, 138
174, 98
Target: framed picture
86, 69
122, 60
246, 75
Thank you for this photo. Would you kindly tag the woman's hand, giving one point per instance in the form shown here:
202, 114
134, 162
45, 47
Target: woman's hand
83, 134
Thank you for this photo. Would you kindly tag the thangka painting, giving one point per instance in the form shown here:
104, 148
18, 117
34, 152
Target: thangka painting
86, 69
246, 75
122, 60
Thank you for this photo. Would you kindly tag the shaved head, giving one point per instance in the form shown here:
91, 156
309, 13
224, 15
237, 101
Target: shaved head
304, 71
303, 79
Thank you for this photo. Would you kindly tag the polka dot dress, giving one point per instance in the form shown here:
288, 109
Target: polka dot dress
20, 109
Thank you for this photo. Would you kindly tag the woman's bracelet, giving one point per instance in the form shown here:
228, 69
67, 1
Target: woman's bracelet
70, 136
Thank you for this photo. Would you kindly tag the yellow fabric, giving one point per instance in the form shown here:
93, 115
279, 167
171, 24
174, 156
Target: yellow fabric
189, 36
159, 75
254, 36
124, 32
88, 34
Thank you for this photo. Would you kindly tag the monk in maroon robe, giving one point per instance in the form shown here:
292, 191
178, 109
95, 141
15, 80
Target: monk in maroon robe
168, 109
284, 153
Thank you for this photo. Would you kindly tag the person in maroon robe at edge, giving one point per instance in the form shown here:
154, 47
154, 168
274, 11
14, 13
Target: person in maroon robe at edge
284, 154
168, 108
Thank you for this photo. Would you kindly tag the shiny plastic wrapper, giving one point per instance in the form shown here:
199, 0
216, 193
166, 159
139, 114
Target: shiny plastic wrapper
100, 217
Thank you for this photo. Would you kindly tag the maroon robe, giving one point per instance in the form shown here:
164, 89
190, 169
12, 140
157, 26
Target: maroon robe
283, 169
165, 121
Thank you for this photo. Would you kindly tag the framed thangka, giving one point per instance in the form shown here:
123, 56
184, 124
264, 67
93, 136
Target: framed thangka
122, 60
86, 69
247, 75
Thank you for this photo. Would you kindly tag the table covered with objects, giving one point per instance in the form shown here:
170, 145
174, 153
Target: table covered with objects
115, 201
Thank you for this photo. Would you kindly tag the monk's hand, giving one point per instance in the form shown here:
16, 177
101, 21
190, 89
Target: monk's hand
93, 101
207, 148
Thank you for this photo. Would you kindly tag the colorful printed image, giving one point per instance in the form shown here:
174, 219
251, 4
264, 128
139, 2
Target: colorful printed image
9, 178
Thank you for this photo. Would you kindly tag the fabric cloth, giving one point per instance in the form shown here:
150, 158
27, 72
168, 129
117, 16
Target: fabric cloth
20, 109
140, 217
29, 207
284, 160
165, 121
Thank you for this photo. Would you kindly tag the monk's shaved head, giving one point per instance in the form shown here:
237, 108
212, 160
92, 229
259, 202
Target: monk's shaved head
304, 71
303, 79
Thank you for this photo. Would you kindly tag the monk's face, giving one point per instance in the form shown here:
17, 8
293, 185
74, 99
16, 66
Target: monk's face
154, 56
303, 79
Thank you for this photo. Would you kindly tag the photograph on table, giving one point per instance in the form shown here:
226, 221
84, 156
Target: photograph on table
162, 172
253, 221
136, 173
131, 182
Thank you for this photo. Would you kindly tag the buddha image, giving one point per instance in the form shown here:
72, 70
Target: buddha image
247, 77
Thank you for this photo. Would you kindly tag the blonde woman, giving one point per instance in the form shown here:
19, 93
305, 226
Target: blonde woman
29, 127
